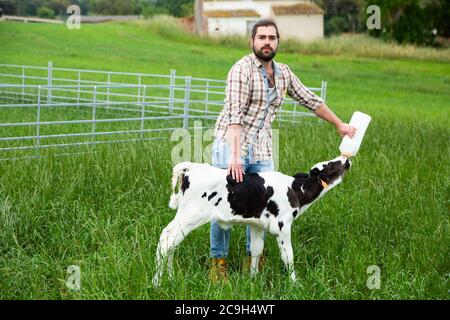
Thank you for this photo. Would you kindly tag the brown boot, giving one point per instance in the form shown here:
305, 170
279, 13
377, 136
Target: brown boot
248, 263
218, 271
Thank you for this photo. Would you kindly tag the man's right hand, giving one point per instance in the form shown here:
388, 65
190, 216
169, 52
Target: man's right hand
235, 169
235, 163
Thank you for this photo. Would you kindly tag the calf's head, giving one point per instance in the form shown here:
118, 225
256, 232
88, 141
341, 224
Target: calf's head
330, 173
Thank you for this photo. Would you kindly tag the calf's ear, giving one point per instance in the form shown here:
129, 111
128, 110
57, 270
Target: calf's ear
314, 172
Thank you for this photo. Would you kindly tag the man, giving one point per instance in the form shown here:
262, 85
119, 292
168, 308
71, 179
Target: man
256, 87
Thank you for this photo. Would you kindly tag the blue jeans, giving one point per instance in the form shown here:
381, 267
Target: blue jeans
219, 237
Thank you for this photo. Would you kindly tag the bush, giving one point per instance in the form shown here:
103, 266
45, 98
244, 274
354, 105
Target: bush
150, 11
336, 25
46, 13
178, 8
114, 7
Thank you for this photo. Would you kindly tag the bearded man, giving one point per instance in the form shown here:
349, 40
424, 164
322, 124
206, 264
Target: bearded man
256, 87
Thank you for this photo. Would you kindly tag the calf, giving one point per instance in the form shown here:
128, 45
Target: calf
268, 201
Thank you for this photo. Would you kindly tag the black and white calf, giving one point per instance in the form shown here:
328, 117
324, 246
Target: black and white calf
268, 201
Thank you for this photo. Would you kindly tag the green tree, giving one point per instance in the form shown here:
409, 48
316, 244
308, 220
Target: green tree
177, 8
26, 7
8, 7
412, 21
341, 15
439, 12
336, 25
114, 7
45, 12
59, 6
30, 7
149, 8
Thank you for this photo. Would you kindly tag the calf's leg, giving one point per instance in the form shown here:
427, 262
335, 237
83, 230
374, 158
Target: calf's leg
287, 254
171, 236
256, 247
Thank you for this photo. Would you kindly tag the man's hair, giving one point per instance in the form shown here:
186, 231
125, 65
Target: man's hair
264, 23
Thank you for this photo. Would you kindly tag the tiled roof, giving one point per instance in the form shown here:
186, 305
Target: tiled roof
300, 8
230, 13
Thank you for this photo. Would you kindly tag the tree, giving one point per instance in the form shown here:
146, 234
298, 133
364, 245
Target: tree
114, 7
412, 21
439, 12
149, 8
8, 7
341, 15
59, 6
177, 8
26, 7
44, 12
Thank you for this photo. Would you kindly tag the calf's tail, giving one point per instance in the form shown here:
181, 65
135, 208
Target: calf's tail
177, 174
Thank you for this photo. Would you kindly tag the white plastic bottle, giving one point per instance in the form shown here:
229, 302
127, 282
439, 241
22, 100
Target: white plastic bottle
349, 146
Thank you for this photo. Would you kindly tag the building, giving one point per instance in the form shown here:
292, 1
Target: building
301, 20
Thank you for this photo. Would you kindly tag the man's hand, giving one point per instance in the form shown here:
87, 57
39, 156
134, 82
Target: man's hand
345, 129
235, 169
234, 163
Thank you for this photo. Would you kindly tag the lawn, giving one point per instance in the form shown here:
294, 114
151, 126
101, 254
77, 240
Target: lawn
103, 211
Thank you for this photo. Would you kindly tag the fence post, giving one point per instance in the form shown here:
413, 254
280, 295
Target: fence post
139, 90
206, 98
323, 90
78, 94
143, 113
38, 121
94, 110
23, 84
50, 78
172, 89
295, 111
280, 123
107, 89
187, 97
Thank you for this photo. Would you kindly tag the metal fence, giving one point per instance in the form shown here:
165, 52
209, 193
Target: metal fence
43, 107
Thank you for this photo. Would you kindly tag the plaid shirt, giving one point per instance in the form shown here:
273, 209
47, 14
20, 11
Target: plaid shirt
247, 103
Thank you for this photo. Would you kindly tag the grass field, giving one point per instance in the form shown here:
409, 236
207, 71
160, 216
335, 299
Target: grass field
104, 211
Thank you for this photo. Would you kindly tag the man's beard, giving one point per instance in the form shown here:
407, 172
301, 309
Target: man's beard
265, 56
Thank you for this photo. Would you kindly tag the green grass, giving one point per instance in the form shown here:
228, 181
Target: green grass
104, 211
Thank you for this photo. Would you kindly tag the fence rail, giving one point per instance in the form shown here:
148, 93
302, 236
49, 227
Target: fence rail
43, 107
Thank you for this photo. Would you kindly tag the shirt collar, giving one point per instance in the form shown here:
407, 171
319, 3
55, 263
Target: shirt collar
259, 64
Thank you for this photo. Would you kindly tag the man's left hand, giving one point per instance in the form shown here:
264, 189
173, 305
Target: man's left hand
345, 129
